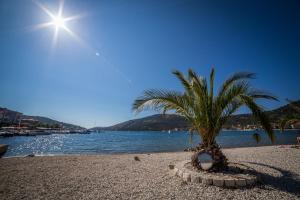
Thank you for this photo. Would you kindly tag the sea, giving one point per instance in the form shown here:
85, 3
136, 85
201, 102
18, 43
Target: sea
118, 142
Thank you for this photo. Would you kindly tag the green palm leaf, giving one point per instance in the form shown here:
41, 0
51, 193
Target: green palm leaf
256, 137
206, 112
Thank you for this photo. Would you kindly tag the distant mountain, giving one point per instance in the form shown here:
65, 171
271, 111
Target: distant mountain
10, 117
152, 123
161, 122
274, 115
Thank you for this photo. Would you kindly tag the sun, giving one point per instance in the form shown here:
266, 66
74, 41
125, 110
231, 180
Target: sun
58, 22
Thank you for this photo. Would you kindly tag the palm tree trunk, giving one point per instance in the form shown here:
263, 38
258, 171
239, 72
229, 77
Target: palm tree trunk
220, 160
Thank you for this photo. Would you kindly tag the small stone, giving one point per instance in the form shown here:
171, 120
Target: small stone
207, 181
183, 183
240, 182
229, 182
171, 166
136, 158
3, 149
251, 181
186, 177
218, 182
195, 178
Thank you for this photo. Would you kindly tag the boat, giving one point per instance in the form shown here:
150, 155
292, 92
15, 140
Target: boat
3, 149
84, 132
6, 134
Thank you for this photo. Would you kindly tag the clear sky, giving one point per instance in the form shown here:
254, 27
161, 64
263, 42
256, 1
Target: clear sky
128, 46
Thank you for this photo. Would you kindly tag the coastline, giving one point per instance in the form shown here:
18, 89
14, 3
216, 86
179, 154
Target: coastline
120, 176
139, 153
35, 133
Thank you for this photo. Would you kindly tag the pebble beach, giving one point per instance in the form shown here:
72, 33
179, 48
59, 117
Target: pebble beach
148, 177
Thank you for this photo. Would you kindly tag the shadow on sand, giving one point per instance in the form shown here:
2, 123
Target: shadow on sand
287, 182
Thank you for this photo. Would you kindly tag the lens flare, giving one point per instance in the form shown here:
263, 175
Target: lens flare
57, 21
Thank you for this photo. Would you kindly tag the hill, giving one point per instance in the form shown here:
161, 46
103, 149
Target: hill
10, 117
161, 122
51, 122
152, 123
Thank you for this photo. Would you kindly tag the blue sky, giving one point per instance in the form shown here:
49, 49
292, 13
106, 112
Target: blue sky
139, 43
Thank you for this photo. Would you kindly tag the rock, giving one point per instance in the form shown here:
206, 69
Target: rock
183, 183
136, 158
218, 182
229, 182
187, 173
3, 149
240, 182
251, 181
190, 149
195, 178
207, 181
30, 155
171, 166
186, 177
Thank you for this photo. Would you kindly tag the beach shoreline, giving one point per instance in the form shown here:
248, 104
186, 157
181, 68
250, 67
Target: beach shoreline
139, 153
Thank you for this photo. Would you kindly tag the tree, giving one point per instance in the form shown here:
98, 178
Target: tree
291, 119
207, 110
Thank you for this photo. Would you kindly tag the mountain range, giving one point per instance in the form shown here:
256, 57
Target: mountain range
160, 122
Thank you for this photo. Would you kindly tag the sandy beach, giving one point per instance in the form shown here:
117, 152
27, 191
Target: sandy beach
121, 177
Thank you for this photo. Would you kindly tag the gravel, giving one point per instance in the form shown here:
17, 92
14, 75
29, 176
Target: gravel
121, 177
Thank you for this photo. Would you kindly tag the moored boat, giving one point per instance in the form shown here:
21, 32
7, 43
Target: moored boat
3, 149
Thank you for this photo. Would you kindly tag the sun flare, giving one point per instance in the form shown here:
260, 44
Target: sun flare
59, 22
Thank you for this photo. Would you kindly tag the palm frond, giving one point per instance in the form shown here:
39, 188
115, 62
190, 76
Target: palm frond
223, 102
211, 84
163, 100
256, 137
259, 94
182, 79
259, 115
288, 120
233, 79
211, 96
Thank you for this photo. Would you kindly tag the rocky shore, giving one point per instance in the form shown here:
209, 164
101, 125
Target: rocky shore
144, 176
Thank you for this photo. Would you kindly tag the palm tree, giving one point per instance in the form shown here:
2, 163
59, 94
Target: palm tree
291, 119
206, 110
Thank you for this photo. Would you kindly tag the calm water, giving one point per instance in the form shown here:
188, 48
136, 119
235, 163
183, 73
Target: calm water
130, 142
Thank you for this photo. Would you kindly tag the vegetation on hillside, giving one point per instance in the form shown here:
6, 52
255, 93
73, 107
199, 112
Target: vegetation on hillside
291, 118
